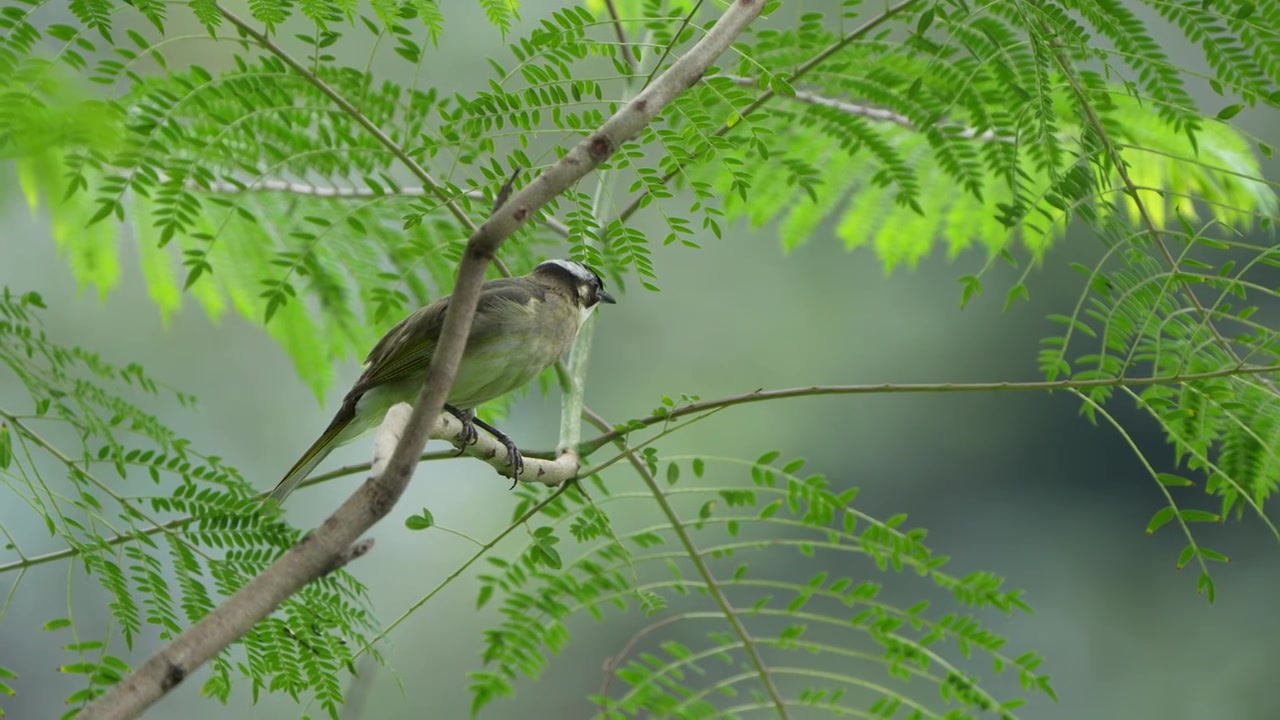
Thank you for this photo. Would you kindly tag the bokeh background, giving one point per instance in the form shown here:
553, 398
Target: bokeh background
1014, 483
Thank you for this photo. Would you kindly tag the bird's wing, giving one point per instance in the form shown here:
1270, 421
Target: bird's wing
406, 350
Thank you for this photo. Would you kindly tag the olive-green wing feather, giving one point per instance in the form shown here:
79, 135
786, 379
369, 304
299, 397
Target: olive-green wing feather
403, 352
406, 350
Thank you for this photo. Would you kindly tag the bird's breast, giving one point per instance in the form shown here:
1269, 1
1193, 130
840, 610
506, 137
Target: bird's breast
524, 340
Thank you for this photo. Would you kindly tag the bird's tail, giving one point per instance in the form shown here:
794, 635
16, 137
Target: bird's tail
318, 451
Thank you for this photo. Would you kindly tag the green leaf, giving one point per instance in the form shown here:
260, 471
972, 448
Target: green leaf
1169, 480
1162, 516
924, 21
1229, 112
1017, 291
972, 288
157, 264
1204, 584
768, 457
421, 521
1185, 556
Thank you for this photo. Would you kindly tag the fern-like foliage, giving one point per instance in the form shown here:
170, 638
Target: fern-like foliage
957, 134
178, 151
72, 454
834, 643
964, 130
323, 201
1195, 313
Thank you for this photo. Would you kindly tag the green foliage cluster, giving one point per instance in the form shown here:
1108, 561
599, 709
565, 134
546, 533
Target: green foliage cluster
301, 191
825, 642
162, 560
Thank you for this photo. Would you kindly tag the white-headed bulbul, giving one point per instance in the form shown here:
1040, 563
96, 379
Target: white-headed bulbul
522, 326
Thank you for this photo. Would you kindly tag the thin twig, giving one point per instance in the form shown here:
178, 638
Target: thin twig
316, 553
873, 113
336, 98
591, 446
757, 396
627, 56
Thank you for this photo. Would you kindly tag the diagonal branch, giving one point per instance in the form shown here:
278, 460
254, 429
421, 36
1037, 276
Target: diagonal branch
346, 106
628, 56
317, 553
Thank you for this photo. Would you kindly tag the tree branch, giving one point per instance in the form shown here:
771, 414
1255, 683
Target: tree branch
318, 552
346, 106
873, 113
545, 470
627, 56
482, 449
762, 395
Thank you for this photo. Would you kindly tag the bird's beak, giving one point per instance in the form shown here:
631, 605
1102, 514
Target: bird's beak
607, 298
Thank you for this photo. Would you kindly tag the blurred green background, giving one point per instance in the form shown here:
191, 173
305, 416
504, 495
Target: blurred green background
1017, 484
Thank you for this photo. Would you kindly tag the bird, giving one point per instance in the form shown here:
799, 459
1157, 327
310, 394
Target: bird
522, 326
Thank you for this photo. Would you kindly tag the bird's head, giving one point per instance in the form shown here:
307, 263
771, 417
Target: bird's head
580, 282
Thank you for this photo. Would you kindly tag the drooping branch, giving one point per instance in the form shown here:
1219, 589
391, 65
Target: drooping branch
319, 552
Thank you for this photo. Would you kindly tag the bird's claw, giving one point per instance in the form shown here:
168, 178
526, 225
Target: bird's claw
468, 435
515, 459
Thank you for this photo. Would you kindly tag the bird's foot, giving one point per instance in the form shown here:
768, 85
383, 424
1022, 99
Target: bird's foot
469, 436
514, 458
